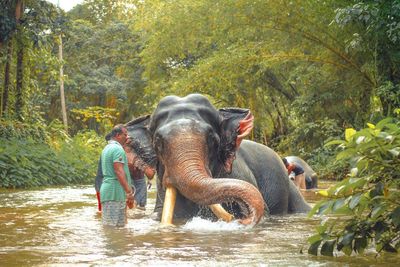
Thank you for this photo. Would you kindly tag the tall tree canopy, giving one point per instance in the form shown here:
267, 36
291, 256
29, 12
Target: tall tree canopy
294, 63
304, 68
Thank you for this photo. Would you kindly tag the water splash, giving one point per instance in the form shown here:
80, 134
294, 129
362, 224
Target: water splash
198, 224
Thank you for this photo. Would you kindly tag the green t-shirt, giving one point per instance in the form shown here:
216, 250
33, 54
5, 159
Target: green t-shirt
111, 189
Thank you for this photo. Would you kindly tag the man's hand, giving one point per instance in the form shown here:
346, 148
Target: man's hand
130, 201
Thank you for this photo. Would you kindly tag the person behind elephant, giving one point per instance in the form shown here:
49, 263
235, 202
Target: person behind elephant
309, 173
116, 189
140, 183
299, 177
99, 178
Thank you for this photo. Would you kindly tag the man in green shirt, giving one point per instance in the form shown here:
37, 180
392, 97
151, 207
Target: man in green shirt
116, 190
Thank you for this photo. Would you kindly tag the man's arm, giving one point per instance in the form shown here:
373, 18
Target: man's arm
119, 171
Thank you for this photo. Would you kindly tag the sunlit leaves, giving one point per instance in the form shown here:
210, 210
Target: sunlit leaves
250, 53
103, 64
349, 133
369, 195
106, 117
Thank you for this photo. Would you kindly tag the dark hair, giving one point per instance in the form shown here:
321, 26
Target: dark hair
285, 161
117, 130
108, 136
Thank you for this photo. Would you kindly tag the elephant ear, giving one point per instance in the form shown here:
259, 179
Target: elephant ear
140, 143
236, 124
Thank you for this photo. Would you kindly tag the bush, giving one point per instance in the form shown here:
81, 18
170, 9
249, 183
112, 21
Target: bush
369, 196
323, 159
19, 130
83, 152
27, 162
308, 136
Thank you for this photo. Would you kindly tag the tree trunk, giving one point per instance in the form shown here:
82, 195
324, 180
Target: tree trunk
63, 108
20, 81
4, 102
274, 82
281, 120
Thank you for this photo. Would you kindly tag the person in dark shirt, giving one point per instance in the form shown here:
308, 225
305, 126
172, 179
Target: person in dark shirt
99, 178
299, 177
140, 181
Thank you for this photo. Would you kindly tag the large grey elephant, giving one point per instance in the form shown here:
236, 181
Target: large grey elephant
202, 159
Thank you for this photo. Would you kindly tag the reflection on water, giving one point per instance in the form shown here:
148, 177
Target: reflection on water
60, 226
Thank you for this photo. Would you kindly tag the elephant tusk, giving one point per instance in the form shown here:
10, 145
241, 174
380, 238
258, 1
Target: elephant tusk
221, 213
169, 206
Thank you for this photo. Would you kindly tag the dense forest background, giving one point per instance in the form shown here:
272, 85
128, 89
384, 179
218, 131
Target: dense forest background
306, 69
315, 74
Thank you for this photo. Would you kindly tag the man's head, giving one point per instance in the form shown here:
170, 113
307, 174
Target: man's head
119, 134
285, 162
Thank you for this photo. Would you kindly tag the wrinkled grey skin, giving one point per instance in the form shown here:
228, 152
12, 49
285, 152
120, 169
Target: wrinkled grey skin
311, 175
252, 162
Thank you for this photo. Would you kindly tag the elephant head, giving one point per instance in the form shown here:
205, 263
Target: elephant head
188, 141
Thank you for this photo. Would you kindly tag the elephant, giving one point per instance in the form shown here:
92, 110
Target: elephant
310, 174
202, 159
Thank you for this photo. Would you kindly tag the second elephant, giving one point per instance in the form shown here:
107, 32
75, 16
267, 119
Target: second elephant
310, 174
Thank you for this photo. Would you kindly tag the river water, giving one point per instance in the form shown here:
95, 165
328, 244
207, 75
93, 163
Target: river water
60, 227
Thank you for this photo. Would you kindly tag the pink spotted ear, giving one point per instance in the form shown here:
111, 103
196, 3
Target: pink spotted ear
245, 127
236, 124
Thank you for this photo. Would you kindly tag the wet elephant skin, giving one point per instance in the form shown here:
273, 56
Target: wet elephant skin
201, 151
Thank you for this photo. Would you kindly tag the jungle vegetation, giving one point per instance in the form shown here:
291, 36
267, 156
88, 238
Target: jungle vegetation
310, 71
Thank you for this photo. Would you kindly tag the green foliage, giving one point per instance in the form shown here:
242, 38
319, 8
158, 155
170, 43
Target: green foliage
370, 195
32, 38
105, 117
323, 159
82, 152
57, 134
378, 17
305, 73
308, 136
26, 163
7, 20
390, 94
109, 68
18, 130
290, 68
375, 29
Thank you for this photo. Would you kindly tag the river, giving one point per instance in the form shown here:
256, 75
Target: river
60, 227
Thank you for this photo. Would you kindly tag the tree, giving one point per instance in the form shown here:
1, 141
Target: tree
11, 14
32, 33
252, 54
108, 62
375, 28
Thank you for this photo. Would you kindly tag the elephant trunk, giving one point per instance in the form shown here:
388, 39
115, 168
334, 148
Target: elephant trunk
186, 169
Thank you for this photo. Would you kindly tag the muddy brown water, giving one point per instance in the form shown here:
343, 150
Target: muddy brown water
60, 227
